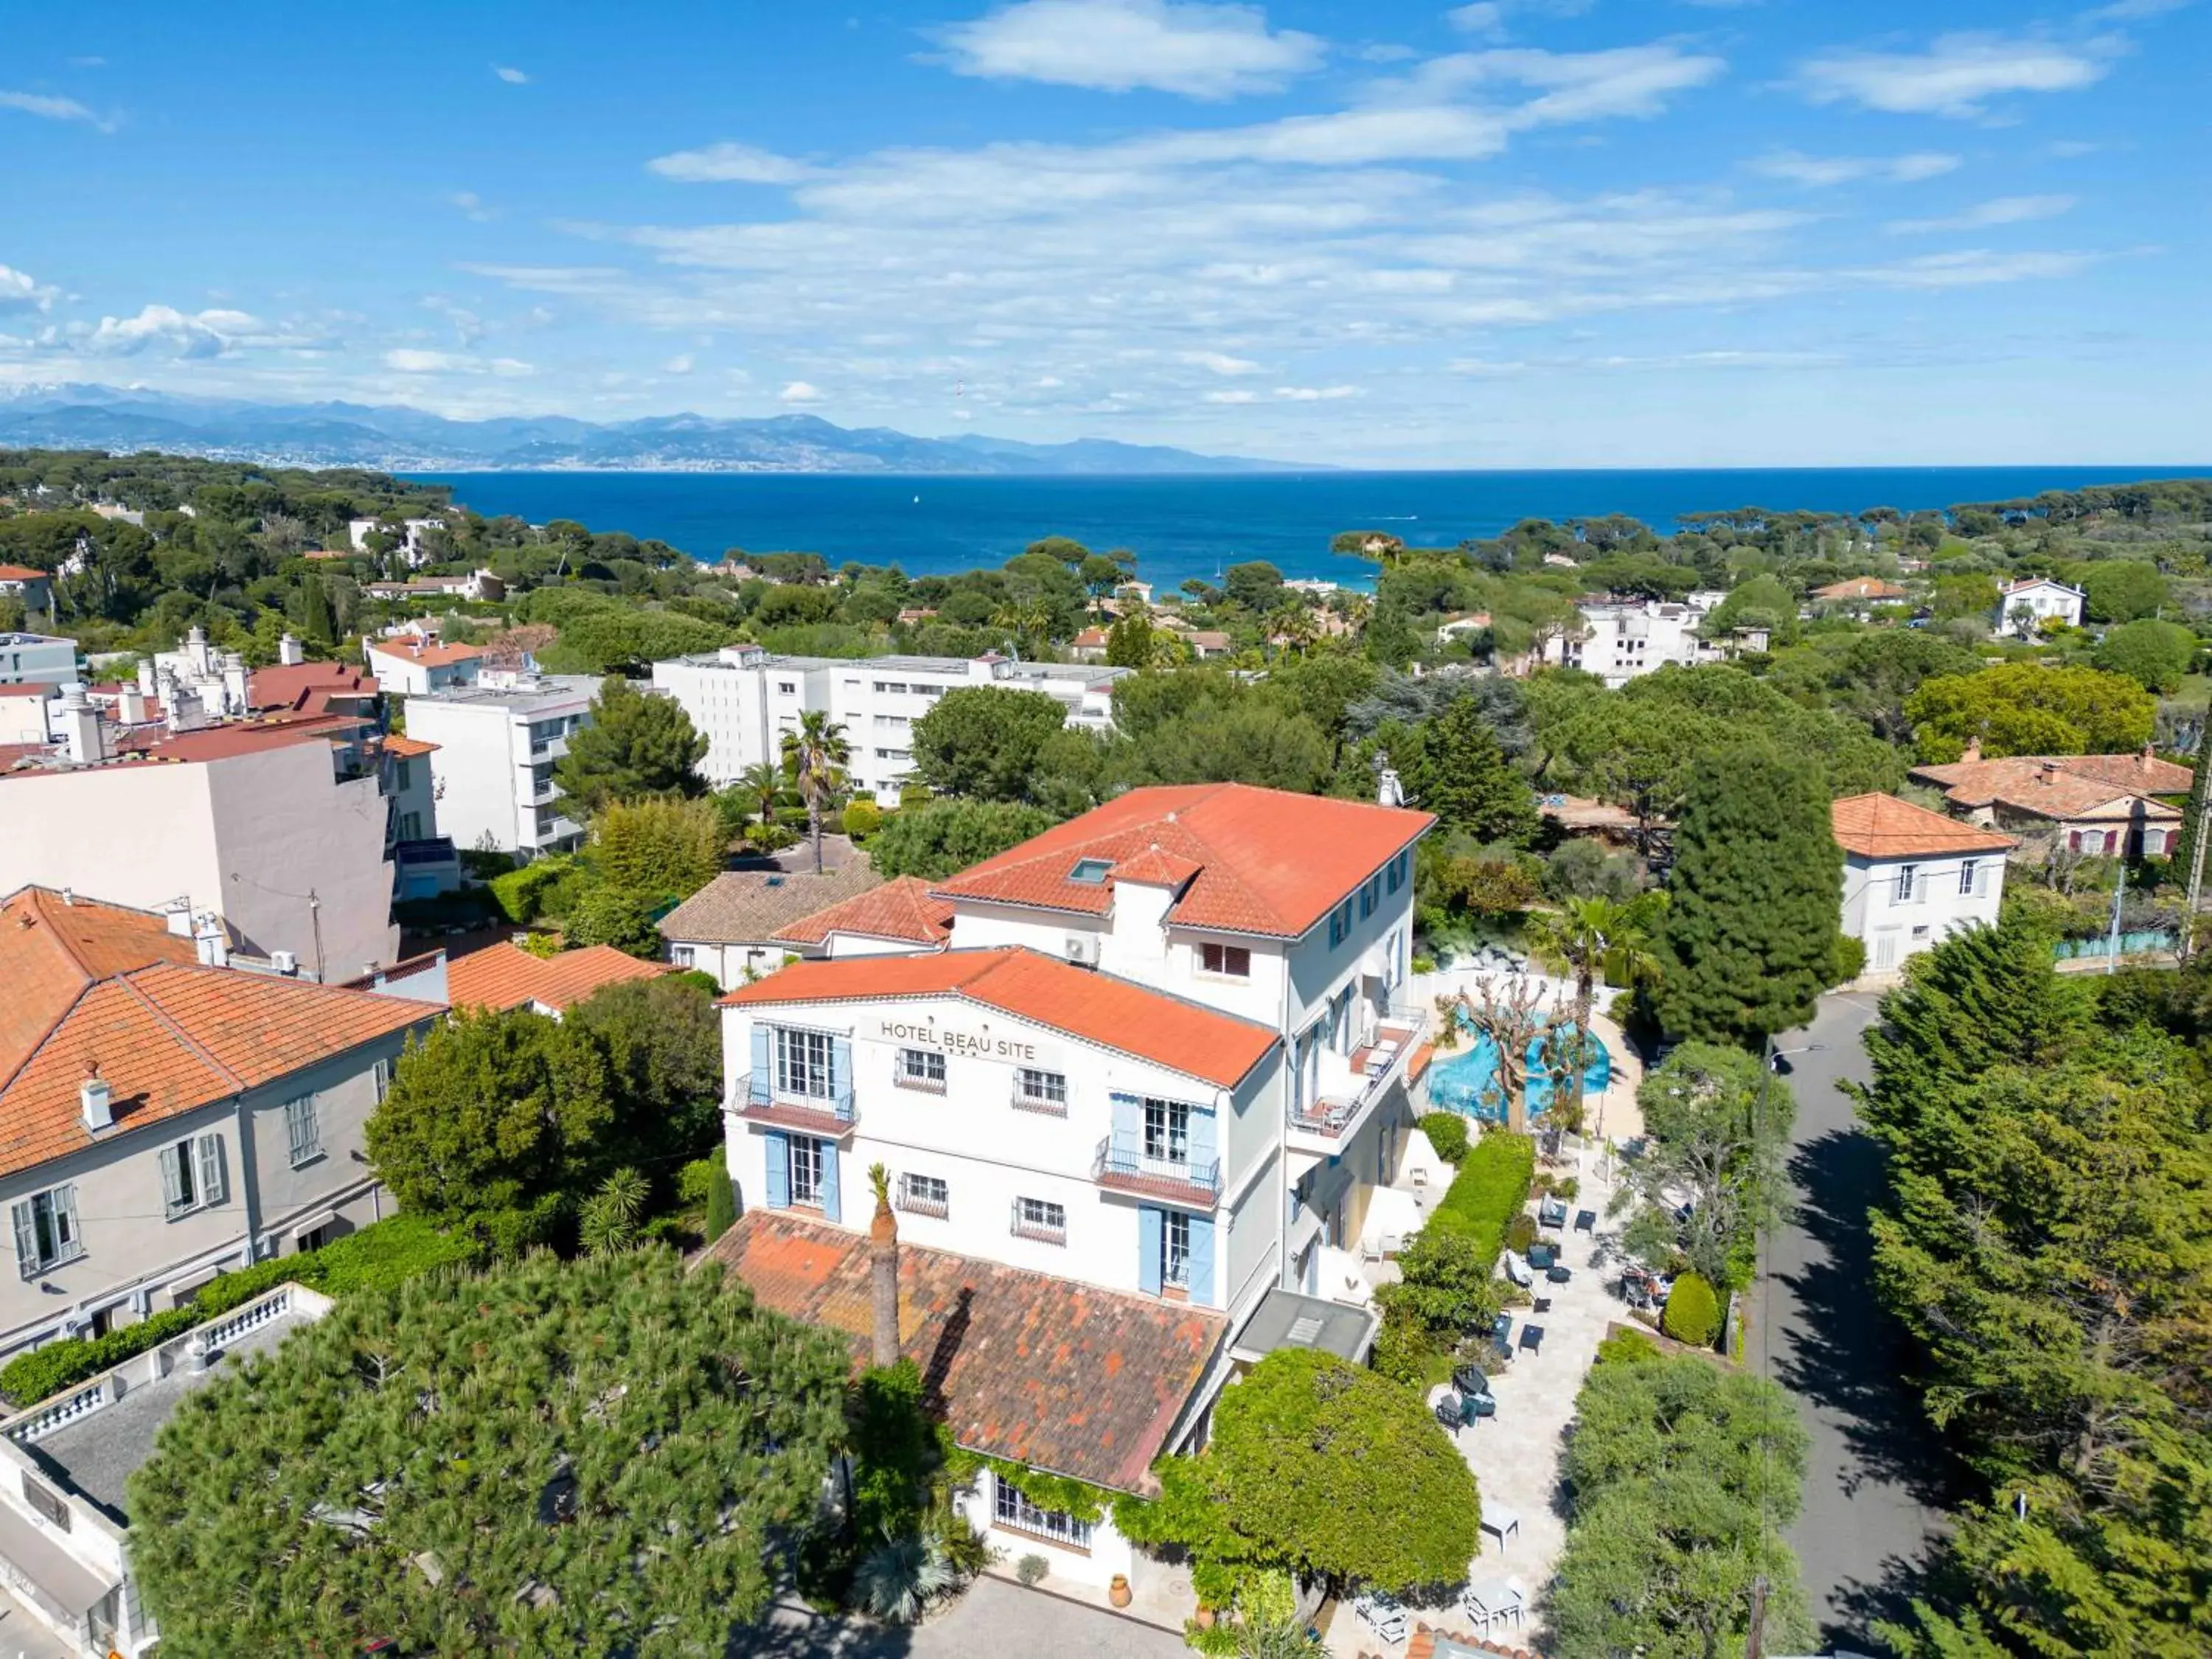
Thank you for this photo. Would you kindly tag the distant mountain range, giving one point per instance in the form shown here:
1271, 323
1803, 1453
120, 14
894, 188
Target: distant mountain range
396, 438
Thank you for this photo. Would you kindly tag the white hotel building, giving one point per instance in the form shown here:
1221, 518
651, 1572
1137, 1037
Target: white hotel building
743, 699
1143, 1097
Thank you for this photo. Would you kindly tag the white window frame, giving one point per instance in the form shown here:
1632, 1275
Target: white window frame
920, 1068
64, 1242
1968, 868
1034, 1086
1907, 877
303, 1130
1042, 1219
802, 1063
1010, 1508
925, 1195
807, 1155
1175, 1247
192, 1174
1166, 1131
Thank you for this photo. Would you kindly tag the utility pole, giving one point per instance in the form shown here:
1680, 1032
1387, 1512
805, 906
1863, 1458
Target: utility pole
2199, 798
1754, 1636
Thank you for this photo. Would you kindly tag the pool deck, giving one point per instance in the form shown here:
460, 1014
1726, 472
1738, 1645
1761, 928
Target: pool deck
1610, 1114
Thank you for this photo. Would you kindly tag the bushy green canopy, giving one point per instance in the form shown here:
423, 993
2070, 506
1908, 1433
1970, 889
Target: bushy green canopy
633, 746
585, 1459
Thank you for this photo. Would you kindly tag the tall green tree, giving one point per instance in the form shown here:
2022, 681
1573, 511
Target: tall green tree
598, 1458
2154, 654
945, 836
664, 846
814, 758
632, 746
982, 741
1716, 1133
1754, 905
662, 1042
1458, 772
1592, 938
2029, 708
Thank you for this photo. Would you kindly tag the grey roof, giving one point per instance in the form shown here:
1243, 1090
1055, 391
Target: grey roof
99, 1452
550, 689
746, 907
1285, 1319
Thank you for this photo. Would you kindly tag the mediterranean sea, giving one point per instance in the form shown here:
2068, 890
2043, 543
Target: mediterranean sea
1185, 526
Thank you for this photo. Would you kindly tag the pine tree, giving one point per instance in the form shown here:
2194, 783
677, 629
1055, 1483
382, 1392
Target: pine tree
1461, 776
316, 621
1755, 900
633, 746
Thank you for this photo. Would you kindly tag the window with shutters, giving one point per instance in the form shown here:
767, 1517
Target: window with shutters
46, 1233
806, 1171
381, 1074
303, 1136
802, 1063
1167, 1132
1174, 1249
192, 1174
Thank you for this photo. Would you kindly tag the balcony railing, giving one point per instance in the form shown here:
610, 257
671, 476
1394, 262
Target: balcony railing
756, 1099
1026, 1101
1125, 1166
1375, 1065
921, 1204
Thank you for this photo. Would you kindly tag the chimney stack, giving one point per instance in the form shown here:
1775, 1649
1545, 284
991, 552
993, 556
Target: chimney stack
1973, 748
97, 1101
2049, 772
210, 939
289, 652
130, 706
883, 1273
2143, 760
82, 730
234, 683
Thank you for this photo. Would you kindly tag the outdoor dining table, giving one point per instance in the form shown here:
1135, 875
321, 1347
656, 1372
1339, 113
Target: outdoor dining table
1494, 1599
1532, 1338
1586, 1221
1499, 1522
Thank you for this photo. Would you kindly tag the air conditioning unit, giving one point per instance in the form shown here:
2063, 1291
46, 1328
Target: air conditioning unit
284, 961
1083, 949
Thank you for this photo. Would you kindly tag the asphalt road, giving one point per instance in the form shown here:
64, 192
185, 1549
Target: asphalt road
1877, 1477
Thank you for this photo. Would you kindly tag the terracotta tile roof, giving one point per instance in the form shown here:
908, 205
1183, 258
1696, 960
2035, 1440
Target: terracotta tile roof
2061, 785
309, 687
503, 976
2026, 582
902, 909
94, 985
1044, 1371
398, 743
748, 907
1269, 861
32, 688
430, 656
1859, 587
23, 572
1426, 1643
1114, 1014
1884, 827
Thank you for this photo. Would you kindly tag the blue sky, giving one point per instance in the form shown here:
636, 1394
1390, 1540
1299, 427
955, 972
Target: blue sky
1528, 233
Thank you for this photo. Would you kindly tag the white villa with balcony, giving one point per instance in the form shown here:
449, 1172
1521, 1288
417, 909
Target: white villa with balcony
1164, 1057
497, 740
1912, 877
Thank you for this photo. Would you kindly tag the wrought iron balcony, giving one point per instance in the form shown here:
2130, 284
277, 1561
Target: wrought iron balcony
756, 1100
1125, 1166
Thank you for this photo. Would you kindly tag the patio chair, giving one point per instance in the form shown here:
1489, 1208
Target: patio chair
1542, 1256
1586, 1222
1558, 1274
1450, 1413
1551, 1214
1518, 1271
1382, 1615
1470, 1380
1532, 1338
1476, 1407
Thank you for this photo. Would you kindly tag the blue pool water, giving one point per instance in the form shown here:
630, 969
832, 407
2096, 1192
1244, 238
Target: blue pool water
1467, 1083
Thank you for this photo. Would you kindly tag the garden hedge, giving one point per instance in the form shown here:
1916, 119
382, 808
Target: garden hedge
1489, 1191
378, 1257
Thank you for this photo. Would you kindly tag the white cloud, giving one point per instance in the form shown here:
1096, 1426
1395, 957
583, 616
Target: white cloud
1315, 394
1820, 171
53, 109
682, 363
800, 393
409, 360
1221, 362
1229, 398
728, 164
1487, 17
1955, 76
513, 78
1973, 268
1199, 50
472, 204
19, 292
200, 334
2003, 211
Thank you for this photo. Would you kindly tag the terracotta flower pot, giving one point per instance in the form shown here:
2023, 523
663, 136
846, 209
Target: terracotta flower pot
1205, 1617
1118, 1591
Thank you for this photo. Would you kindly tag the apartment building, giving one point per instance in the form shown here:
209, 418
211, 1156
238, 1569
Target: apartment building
1620, 639
165, 1115
36, 658
1163, 1061
492, 771
281, 825
744, 699
415, 667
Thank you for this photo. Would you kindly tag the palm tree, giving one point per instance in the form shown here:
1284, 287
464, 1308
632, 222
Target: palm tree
761, 785
1587, 938
1030, 619
814, 759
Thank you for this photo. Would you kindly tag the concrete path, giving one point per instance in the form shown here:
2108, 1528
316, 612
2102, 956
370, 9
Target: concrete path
1877, 1477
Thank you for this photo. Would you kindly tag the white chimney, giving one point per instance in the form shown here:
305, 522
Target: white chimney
289, 652
130, 706
179, 911
210, 939
234, 683
197, 651
97, 1102
82, 731
146, 682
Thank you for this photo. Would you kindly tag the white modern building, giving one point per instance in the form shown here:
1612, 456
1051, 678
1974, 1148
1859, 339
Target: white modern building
358, 531
2023, 607
498, 741
744, 699
1619, 639
280, 826
415, 667
1163, 1061
36, 658
1912, 877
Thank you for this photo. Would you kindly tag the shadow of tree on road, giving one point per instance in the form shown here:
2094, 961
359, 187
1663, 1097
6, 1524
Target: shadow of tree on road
1850, 1357
1859, 1606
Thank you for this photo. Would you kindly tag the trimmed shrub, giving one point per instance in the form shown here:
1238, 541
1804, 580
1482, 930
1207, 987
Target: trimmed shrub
721, 1202
862, 819
1489, 1190
534, 891
1627, 1348
1447, 1132
1851, 959
1693, 1312
1032, 1568
1520, 1233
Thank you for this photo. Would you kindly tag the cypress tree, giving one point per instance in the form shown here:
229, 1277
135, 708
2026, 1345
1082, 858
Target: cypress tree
316, 621
1755, 900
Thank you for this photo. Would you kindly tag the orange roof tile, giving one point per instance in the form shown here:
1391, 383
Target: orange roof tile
901, 909
1267, 860
430, 656
1884, 827
503, 976
1059, 1375
309, 687
23, 572
96, 986
398, 743
1114, 1014
2060, 786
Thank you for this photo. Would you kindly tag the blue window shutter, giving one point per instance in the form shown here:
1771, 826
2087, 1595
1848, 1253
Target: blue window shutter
841, 1075
1128, 1127
1150, 1229
1204, 1147
1201, 1262
777, 1149
761, 1064
830, 1210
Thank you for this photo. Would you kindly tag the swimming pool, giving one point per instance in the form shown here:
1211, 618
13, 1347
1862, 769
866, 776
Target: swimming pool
1467, 1083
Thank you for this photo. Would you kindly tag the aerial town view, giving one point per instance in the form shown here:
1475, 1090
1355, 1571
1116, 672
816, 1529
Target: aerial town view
1002, 828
